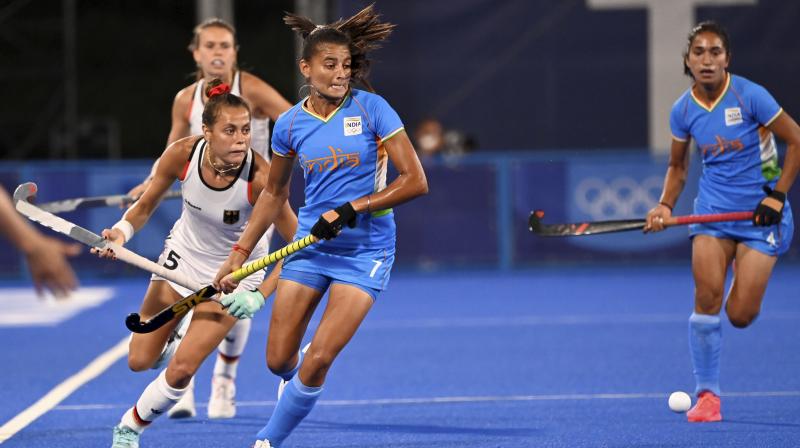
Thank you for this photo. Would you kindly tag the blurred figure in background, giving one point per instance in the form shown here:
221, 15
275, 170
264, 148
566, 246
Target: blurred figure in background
734, 122
214, 48
431, 140
46, 257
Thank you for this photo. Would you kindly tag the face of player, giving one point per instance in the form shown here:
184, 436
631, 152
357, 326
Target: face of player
329, 70
229, 137
215, 53
708, 59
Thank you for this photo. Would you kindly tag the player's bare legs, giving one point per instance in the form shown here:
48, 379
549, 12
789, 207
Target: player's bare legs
146, 348
209, 326
347, 307
710, 260
753, 269
294, 305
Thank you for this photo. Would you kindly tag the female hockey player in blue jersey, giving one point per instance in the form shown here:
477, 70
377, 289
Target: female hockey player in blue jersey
732, 120
343, 139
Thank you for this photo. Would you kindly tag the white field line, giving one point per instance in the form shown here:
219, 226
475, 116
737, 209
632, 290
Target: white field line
64, 390
464, 399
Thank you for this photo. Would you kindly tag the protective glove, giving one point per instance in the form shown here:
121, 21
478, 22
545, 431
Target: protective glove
243, 304
770, 209
325, 230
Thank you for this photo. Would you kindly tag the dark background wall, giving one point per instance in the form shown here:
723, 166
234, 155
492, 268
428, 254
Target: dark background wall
516, 74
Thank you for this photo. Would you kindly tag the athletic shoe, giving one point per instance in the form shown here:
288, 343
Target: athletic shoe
262, 444
125, 437
707, 409
222, 403
184, 408
173, 342
283, 383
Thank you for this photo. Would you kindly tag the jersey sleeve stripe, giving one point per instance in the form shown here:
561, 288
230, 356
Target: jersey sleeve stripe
774, 117
678, 139
392, 134
288, 155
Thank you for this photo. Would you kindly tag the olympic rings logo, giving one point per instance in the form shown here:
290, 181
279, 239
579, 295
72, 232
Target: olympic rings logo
621, 198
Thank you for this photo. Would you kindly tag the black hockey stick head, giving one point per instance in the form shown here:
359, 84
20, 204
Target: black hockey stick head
134, 320
25, 192
536, 226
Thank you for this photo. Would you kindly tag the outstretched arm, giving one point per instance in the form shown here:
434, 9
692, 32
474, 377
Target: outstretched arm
46, 257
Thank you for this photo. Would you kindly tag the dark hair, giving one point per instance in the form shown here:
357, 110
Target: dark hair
219, 95
708, 26
210, 23
362, 33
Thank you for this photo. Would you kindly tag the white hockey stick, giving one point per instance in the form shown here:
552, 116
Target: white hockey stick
24, 192
68, 205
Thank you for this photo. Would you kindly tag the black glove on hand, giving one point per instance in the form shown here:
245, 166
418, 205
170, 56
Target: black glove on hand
328, 230
765, 215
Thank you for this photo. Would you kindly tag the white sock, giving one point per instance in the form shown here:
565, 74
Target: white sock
231, 348
158, 397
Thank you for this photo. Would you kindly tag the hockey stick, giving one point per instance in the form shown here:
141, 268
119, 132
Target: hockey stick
596, 227
136, 325
69, 205
26, 191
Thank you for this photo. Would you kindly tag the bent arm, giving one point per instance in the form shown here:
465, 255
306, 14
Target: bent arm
263, 98
409, 183
787, 130
269, 203
167, 170
677, 169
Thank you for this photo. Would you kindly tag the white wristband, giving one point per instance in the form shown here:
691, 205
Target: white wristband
126, 228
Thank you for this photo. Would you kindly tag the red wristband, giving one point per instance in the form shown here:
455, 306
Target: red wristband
241, 250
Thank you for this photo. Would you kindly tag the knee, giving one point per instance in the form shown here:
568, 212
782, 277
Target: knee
138, 362
742, 319
180, 372
318, 362
707, 300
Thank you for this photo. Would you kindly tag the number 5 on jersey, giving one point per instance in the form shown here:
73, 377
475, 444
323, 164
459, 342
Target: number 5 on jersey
171, 262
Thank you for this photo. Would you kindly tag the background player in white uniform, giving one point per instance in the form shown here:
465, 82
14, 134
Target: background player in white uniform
733, 121
221, 179
214, 48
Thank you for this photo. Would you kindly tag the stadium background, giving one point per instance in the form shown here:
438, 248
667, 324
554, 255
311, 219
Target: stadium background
556, 94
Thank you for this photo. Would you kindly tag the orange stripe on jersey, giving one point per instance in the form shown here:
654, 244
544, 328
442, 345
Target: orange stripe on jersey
249, 196
182, 177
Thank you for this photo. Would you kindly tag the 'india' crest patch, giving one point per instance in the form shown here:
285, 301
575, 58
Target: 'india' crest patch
352, 126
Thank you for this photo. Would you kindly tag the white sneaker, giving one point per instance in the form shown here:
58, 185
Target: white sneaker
173, 342
222, 403
124, 437
262, 444
184, 408
283, 383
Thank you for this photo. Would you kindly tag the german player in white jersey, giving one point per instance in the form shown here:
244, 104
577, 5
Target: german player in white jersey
214, 48
221, 178
733, 121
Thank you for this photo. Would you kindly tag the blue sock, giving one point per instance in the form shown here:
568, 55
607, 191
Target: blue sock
295, 403
705, 341
289, 374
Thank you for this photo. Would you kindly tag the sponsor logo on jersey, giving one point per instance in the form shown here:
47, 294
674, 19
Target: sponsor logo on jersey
721, 146
230, 216
191, 205
352, 126
733, 116
336, 160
